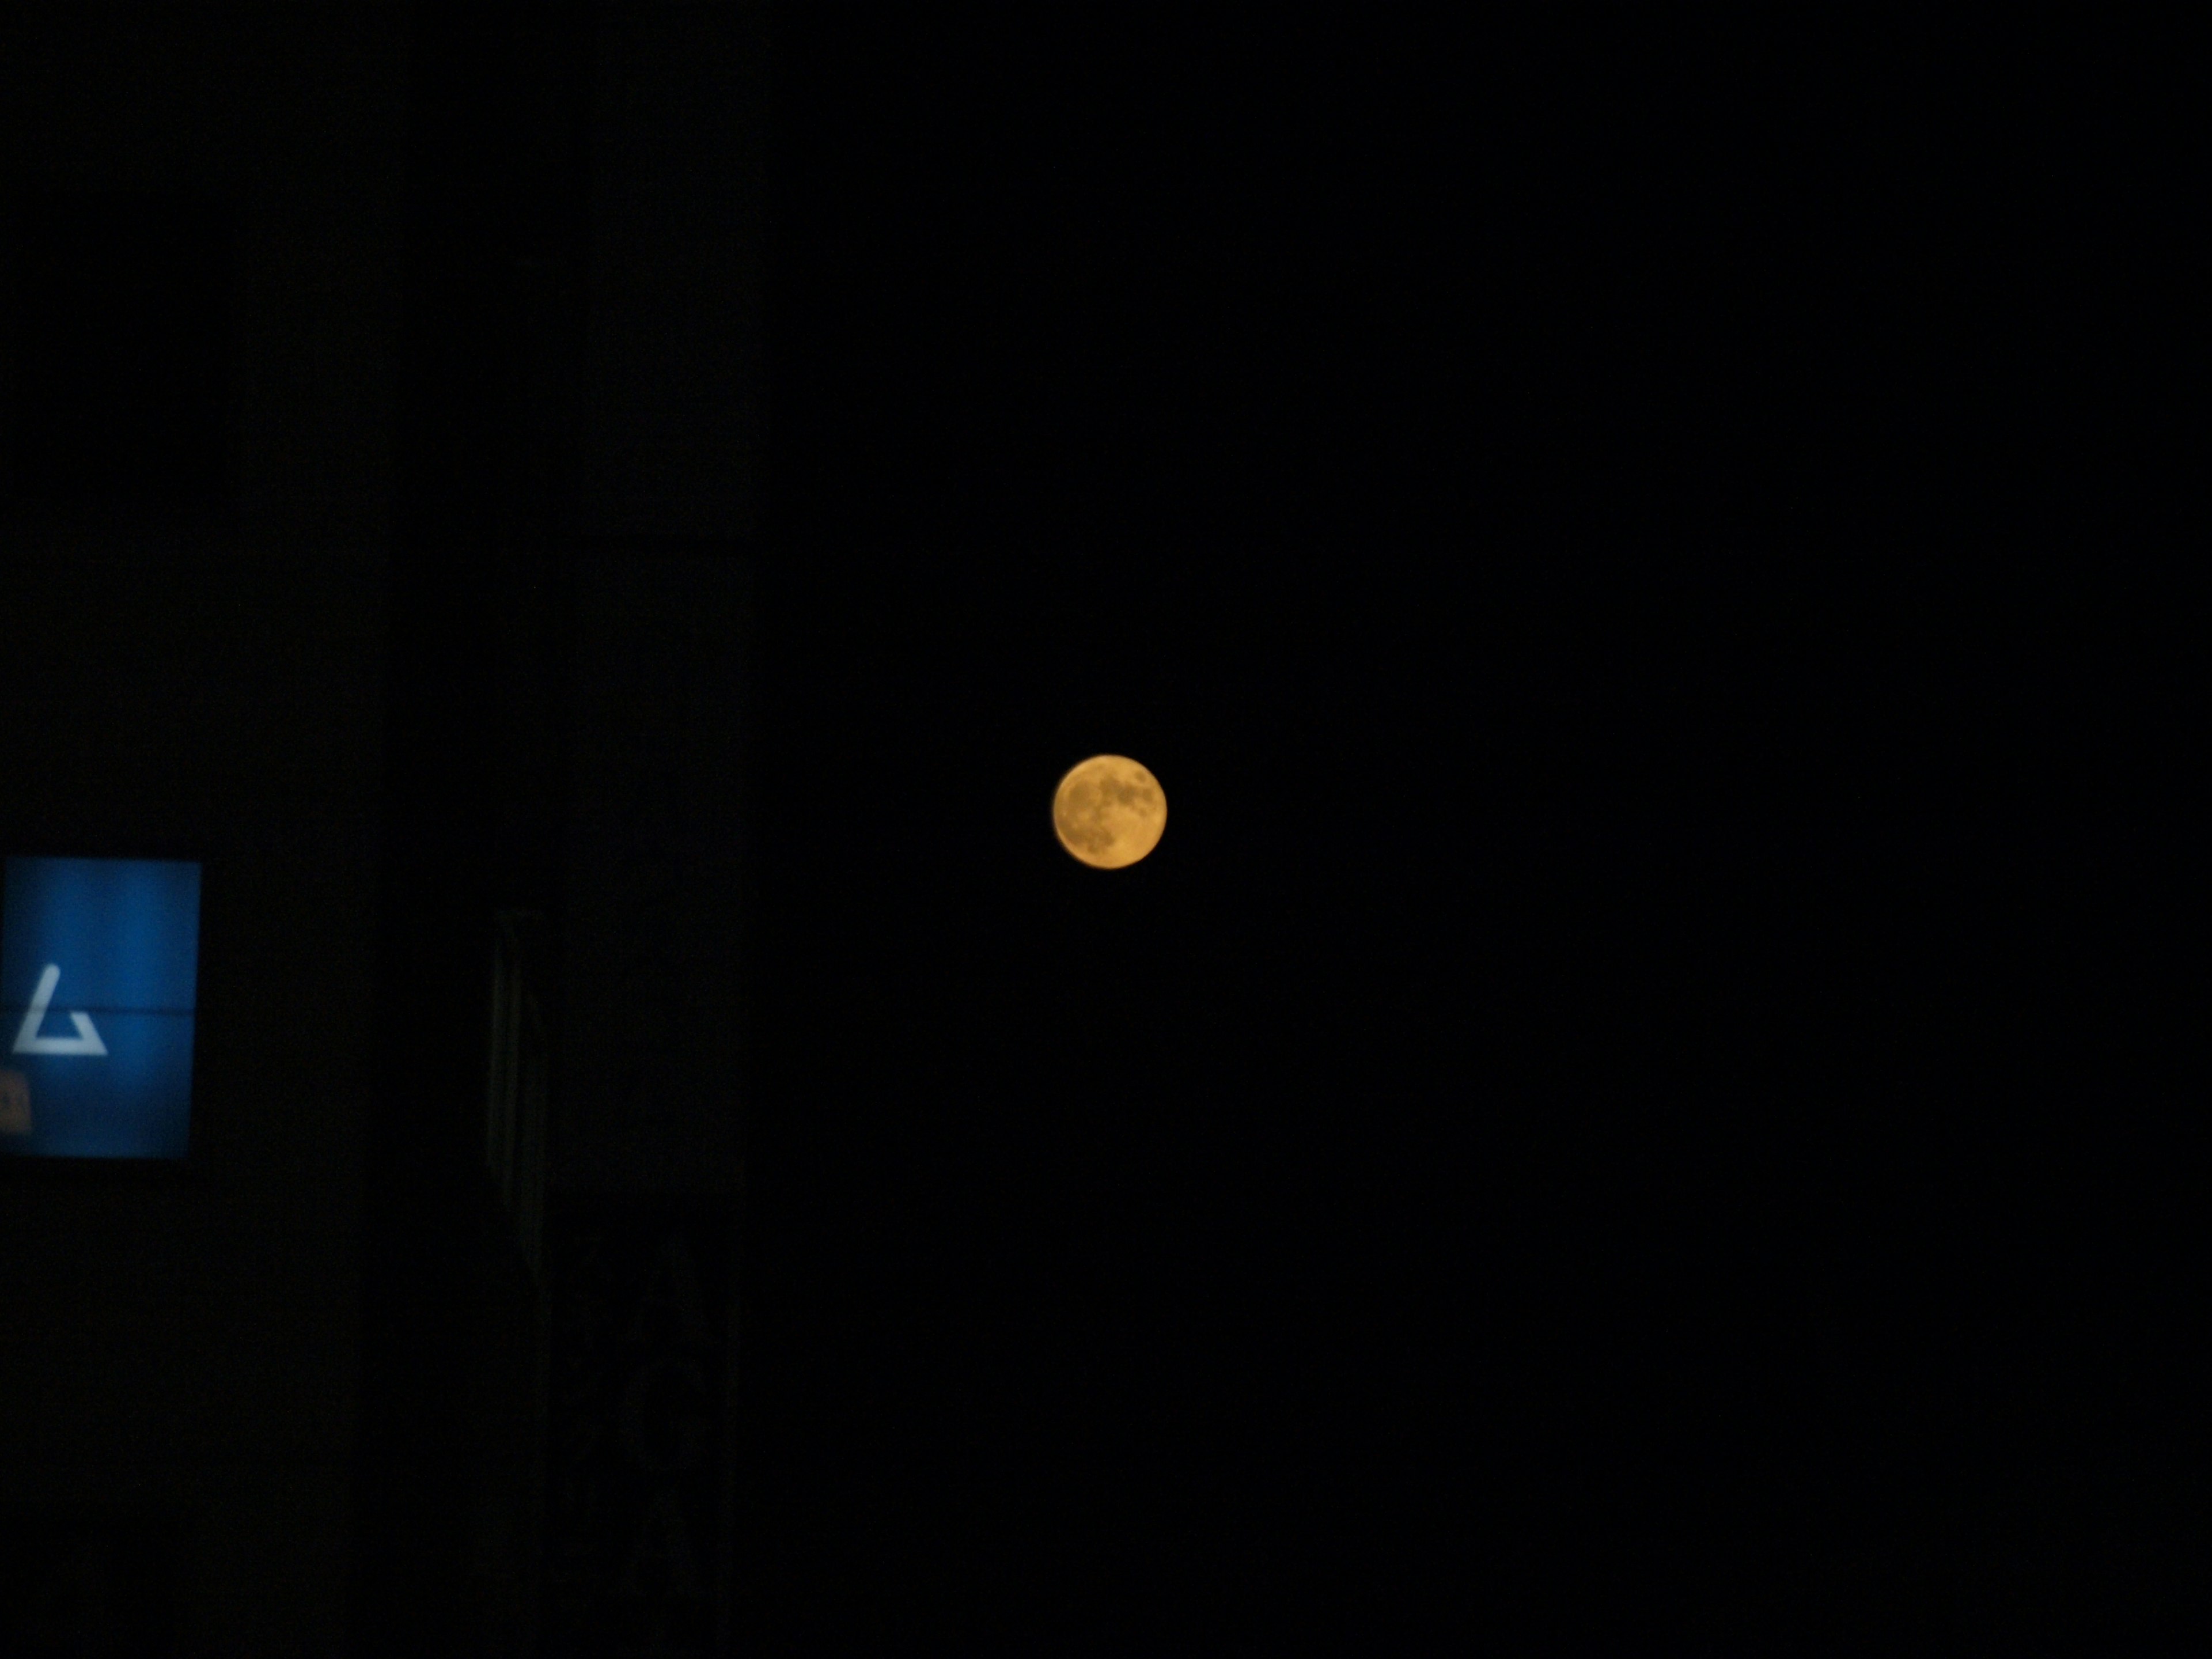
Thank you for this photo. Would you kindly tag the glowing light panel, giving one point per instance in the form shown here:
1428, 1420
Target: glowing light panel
98, 977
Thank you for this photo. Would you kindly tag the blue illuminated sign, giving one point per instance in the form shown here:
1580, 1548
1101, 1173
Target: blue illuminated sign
98, 972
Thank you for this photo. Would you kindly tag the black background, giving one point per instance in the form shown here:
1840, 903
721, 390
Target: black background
1648, 1090
1636, 1092
151, 380
1066, 1312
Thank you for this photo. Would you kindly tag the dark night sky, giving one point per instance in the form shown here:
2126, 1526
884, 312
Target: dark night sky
1606, 1015
1638, 1089
1644, 1087
1057, 436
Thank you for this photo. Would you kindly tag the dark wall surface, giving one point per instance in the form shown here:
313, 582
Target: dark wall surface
570, 650
192, 561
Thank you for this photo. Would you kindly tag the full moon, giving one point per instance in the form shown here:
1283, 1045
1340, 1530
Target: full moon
1109, 811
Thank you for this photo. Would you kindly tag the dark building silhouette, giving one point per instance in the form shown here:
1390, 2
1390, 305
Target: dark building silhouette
349, 354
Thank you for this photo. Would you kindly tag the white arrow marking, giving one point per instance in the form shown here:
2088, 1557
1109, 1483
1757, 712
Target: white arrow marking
29, 1042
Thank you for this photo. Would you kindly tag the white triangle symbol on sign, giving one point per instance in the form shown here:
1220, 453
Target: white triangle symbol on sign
29, 1042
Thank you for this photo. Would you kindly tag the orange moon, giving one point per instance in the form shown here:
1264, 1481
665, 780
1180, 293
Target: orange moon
1109, 811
